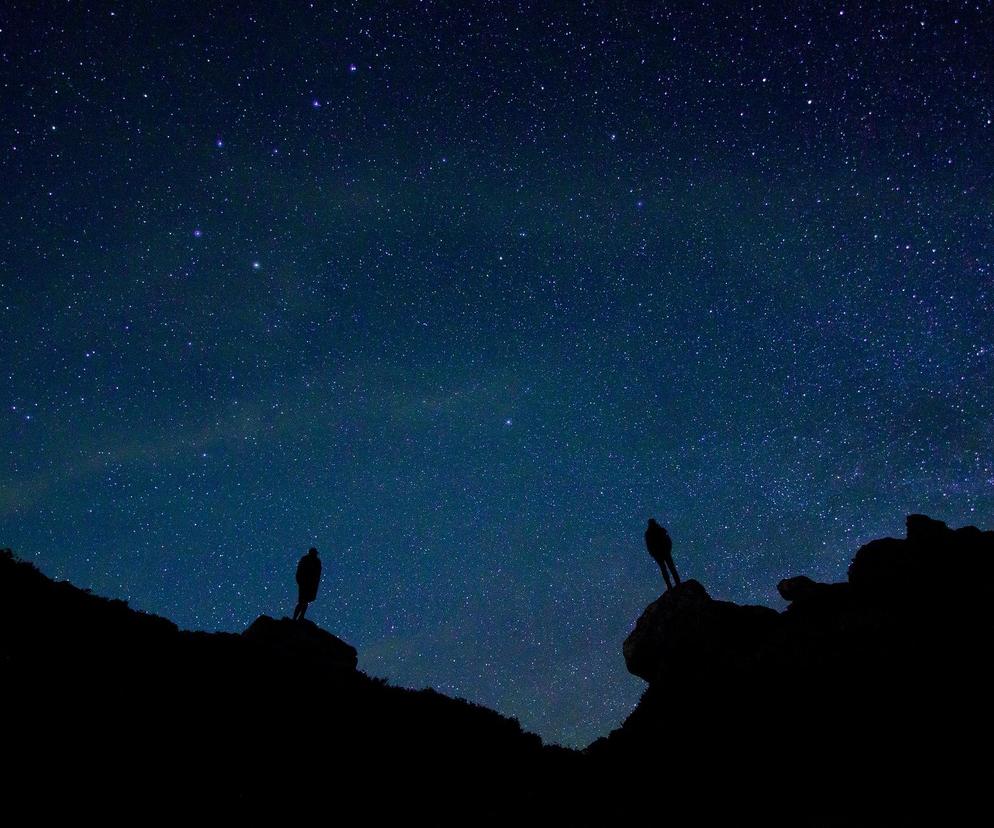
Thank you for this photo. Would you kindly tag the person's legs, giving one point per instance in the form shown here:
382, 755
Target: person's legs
299, 610
676, 577
666, 575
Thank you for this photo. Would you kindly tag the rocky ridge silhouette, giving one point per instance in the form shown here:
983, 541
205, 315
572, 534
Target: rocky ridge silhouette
867, 700
862, 702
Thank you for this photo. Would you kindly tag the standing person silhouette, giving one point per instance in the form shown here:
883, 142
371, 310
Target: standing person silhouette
308, 576
660, 546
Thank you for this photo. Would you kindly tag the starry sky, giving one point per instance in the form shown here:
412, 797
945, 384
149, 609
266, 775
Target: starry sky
462, 293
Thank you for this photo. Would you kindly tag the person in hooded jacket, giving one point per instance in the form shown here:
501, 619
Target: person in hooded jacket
660, 546
308, 577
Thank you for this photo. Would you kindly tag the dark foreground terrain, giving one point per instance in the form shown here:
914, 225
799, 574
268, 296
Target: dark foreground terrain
864, 702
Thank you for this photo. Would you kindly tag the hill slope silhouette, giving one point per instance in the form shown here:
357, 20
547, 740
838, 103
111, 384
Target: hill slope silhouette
117, 709
864, 702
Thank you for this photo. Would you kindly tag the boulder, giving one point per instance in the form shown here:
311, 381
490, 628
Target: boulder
302, 638
686, 628
798, 588
810, 595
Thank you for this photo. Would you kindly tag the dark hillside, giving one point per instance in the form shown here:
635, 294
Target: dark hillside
864, 702
117, 708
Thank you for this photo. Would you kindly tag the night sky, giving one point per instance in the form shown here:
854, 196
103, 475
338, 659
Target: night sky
463, 293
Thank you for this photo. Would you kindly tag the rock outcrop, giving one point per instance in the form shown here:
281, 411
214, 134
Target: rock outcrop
302, 639
685, 630
685, 627
909, 569
872, 690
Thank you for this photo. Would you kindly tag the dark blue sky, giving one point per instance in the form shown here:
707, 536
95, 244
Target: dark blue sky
463, 293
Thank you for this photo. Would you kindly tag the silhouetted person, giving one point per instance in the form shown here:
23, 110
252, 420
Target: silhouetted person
660, 546
308, 576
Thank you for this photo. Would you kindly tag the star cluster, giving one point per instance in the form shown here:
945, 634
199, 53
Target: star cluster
462, 293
